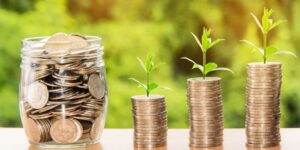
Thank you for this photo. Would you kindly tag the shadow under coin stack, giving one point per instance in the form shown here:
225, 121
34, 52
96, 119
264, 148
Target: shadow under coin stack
263, 104
63, 98
205, 112
150, 121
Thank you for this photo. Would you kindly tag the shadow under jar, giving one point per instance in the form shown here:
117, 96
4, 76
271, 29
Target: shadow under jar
63, 92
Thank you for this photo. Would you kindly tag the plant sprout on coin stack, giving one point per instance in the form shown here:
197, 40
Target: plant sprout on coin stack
205, 100
149, 111
263, 89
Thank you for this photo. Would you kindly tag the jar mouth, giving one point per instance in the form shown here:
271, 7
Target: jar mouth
42, 49
43, 39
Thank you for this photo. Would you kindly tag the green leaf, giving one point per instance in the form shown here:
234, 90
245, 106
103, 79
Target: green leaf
215, 42
223, 69
270, 50
205, 39
152, 86
266, 22
279, 52
155, 66
209, 67
139, 83
257, 22
163, 88
260, 50
277, 23
195, 65
149, 63
198, 41
142, 64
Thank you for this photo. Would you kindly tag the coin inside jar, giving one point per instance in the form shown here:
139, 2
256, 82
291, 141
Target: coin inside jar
33, 131
95, 132
66, 131
37, 95
96, 86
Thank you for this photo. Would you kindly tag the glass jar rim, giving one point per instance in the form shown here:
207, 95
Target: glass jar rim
35, 40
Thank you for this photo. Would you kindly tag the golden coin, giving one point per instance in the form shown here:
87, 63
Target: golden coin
96, 86
95, 132
79, 43
37, 95
32, 130
65, 131
58, 44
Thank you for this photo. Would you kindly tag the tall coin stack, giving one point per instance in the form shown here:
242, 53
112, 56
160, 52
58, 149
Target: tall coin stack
150, 121
263, 104
205, 112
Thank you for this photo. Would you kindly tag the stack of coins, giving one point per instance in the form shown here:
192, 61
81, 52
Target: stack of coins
150, 121
263, 104
63, 96
205, 112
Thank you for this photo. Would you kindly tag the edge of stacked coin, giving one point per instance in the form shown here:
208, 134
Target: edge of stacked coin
263, 105
205, 112
150, 121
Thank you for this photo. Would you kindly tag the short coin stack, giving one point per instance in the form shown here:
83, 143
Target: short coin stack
205, 112
150, 121
63, 91
263, 104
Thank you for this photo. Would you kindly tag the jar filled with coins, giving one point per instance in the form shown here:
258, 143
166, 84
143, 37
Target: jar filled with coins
63, 92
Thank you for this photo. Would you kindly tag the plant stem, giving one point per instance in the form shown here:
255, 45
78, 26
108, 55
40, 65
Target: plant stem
265, 35
148, 84
204, 63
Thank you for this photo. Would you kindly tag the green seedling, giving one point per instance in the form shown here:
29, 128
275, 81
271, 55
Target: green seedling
148, 66
205, 44
266, 25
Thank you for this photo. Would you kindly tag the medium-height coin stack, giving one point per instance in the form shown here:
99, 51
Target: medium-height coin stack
150, 121
63, 97
205, 112
263, 104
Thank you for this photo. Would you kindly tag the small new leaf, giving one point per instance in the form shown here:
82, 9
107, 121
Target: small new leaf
257, 22
210, 67
270, 50
198, 41
157, 65
139, 83
152, 86
216, 42
279, 52
223, 69
266, 22
206, 39
195, 65
260, 50
277, 23
149, 63
142, 64
163, 88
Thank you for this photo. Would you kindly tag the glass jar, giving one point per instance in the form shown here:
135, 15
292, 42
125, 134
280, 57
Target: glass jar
63, 92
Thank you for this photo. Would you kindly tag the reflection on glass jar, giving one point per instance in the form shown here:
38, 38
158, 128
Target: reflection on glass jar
63, 92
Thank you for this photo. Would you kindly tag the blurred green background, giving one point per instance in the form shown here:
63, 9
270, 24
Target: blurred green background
161, 28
